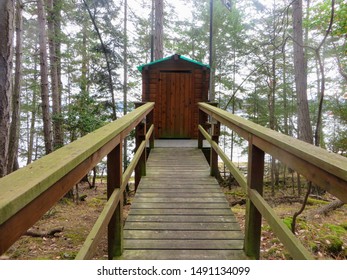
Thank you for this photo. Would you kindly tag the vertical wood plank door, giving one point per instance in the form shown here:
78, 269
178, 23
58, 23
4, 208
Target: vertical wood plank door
174, 102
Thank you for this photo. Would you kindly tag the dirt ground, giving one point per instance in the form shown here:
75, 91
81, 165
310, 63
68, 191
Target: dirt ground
76, 220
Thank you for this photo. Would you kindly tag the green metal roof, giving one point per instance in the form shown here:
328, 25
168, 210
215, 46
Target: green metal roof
140, 68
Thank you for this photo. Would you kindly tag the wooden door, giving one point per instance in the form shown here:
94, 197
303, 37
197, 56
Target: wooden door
174, 104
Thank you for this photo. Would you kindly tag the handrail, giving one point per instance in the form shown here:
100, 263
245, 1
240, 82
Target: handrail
27, 194
88, 248
326, 169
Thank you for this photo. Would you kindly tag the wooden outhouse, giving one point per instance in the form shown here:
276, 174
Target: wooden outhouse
176, 84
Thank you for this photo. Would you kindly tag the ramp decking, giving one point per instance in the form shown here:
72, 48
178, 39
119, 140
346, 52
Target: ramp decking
179, 211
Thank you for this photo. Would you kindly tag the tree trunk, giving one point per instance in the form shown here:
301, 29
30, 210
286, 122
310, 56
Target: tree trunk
158, 33
85, 60
57, 5
108, 63
47, 129
300, 67
6, 56
125, 81
53, 58
15, 124
324, 210
33, 112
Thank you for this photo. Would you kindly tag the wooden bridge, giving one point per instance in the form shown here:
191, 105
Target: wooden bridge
178, 211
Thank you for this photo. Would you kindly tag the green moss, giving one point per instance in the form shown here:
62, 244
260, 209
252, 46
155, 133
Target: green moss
272, 251
236, 193
314, 247
338, 230
332, 244
288, 222
96, 202
266, 227
312, 201
344, 225
75, 237
66, 201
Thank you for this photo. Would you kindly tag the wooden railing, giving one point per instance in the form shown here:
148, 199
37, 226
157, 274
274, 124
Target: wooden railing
327, 170
27, 194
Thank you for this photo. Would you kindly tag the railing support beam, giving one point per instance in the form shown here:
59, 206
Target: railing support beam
140, 169
114, 181
215, 132
253, 216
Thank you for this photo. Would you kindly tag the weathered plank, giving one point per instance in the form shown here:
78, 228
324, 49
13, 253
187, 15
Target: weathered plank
181, 226
175, 205
181, 194
183, 234
192, 199
183, 255
184, 244
181, 219
184, 211
179, 211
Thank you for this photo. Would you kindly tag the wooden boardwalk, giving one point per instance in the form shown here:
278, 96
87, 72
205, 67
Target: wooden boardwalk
179, 212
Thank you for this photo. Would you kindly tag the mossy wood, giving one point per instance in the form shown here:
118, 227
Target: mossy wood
89, 246
326, 169
31, 191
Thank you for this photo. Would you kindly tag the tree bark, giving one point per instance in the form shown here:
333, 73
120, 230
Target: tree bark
15, 124
6, 56
300, 68
158, 32
33, 113
125, 81
324, 210
53, 58
46, 117
108, 63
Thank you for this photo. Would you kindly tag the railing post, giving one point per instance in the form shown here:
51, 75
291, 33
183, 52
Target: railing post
150, 118
114, 181
253, 216
202, 122
140, 169
215, 132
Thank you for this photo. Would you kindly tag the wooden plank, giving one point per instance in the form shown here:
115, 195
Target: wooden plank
183, 234
181, 226
182, 218
182, 194
175, 205
182, 255
178, 211
178, 182
181, 208
184, 244
180, 199
179, 190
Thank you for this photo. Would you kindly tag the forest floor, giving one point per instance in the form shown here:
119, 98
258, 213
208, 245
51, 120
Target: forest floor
324, 236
